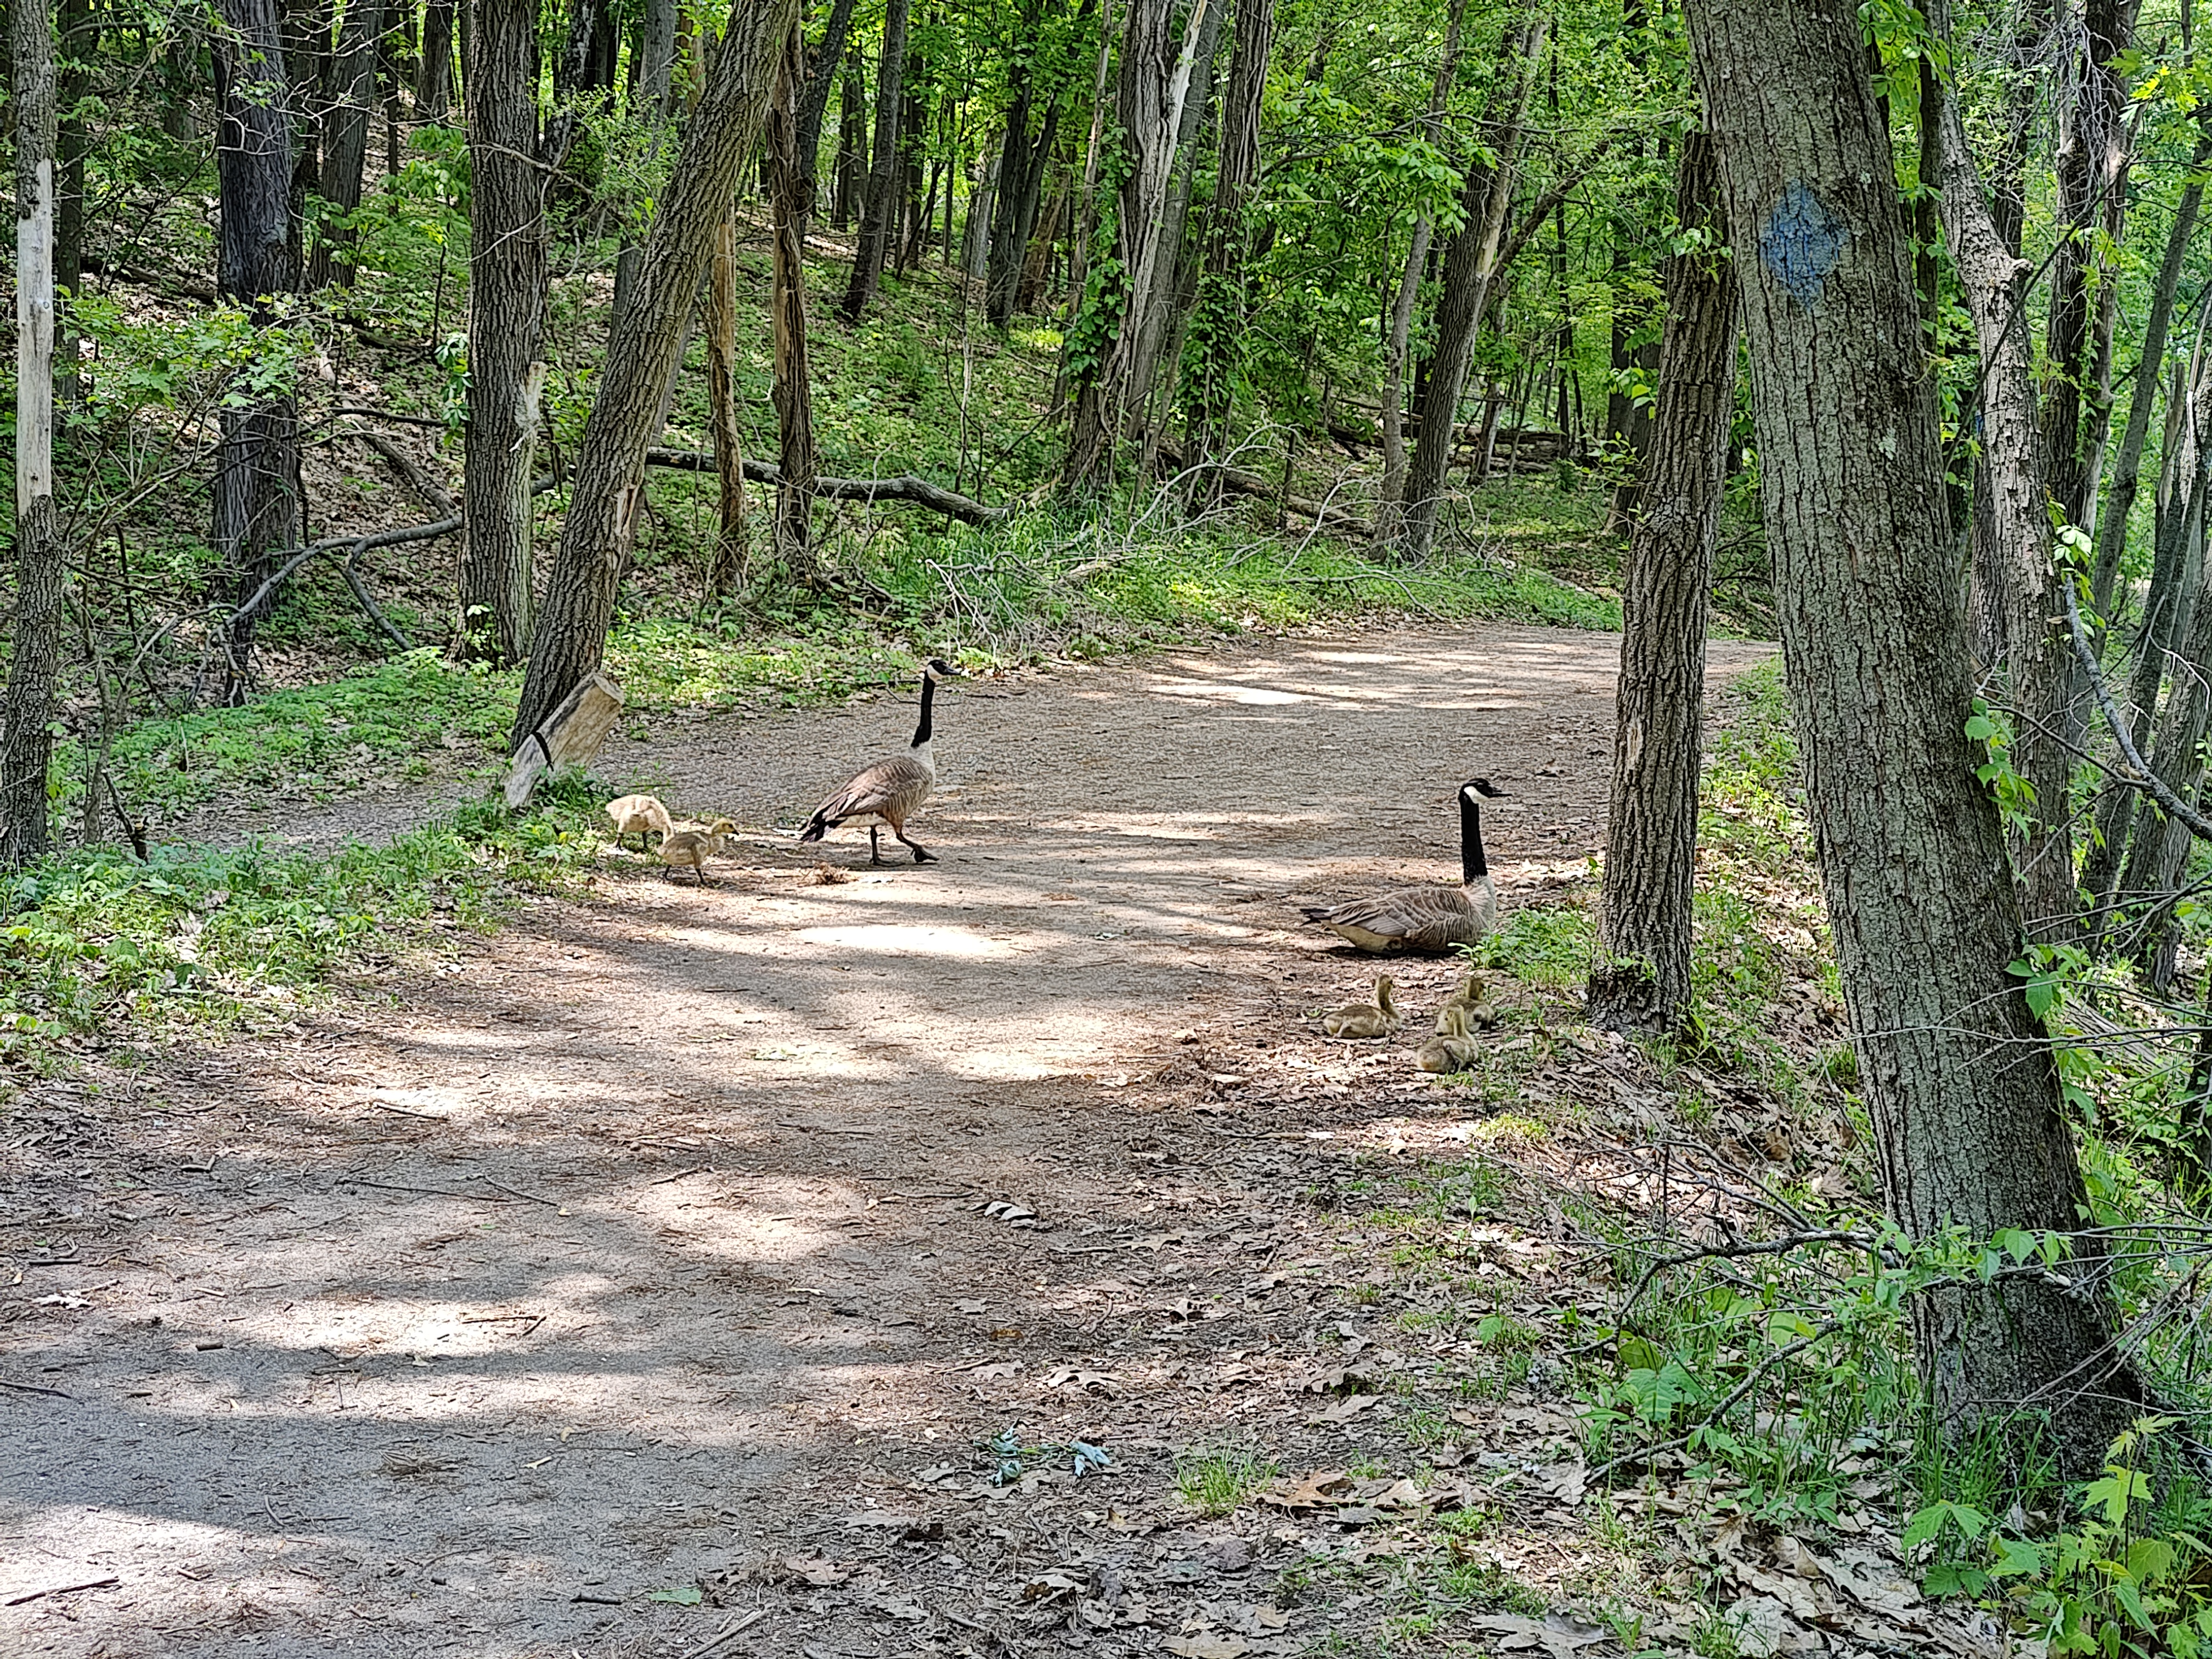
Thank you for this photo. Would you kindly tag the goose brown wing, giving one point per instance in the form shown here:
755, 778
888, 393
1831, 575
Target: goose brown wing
898, 784
1409, 918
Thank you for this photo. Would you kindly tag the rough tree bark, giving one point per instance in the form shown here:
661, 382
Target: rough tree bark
652, 71
434, 75
345, 135
1392, 493
1024, 160
2013, 566
78, 29
257, 508
1651, 823
1470, 266
879, 212
1969, 1125
507, 277
641, 357
814, 101
852, 167
36, 646
793, 202
1149, 104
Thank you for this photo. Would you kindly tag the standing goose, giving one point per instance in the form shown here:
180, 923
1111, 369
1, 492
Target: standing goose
892, 789
1426, 919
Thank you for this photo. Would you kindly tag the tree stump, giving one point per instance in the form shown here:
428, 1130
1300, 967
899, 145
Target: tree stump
570, 735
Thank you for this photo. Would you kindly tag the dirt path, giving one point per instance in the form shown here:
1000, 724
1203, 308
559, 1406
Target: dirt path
649, 1248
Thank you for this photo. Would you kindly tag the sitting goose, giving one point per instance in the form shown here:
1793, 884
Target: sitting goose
1426, 919
892, 789
1365, 1020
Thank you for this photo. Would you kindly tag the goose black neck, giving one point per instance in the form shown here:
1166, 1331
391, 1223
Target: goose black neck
929, 691
1473, 865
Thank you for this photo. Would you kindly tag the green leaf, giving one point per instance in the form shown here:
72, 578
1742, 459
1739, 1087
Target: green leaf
683, 1596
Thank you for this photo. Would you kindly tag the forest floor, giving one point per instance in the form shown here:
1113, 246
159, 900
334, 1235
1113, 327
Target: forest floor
990, 1257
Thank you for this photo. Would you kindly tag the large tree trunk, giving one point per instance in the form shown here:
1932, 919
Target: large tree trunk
2012, 552
1391, 495
1969, 1125
26, 744
345, 134
642, 358
1471, 265
256, 505
1652, 824
793, 202
2150, 368
507, 277
880, 212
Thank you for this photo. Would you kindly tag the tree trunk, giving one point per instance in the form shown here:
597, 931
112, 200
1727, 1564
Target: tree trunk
1149, 104
2092, 205
1086, 219
1024, 160
726, 569
642, 355
26, 744
798, 462
976, 238
1652, 824
1389, 506
885, 167
814, 101
2150, 367
433, 75
507, 278
1969, 1125
653, 72
1218, 317
79, 30
180, 82
346, 138
257, 505
852, 142
1470, 266
1036, 267
2012, 553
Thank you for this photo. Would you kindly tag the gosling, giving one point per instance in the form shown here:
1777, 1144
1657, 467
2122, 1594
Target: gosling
639, 815
694, 847
1451, 1049
1377, 1018
1469, 995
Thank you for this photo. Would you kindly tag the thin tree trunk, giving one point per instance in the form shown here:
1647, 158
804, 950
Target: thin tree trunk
1970, 1130
651, 107
726, 569
2013, 547
26, 744
570, 640
1086, 220
1470, 266
1036, 266
814, 101
1651, 823
975, 239
346, 135
79, 30
507, 278
434, 75
799, 460
1220, 311
257, 506
2150, 367
1023, 159
885, 167
852, 142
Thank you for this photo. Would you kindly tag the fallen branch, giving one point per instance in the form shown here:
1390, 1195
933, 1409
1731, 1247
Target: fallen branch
359, 545
1236, 478
433, 494
905, 488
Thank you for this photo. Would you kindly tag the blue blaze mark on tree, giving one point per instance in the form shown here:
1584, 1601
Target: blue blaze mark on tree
1801, 243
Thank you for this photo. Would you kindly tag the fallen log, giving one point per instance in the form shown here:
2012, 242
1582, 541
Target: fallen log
905, 488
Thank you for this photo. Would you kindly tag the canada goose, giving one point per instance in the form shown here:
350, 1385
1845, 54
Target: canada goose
1451, 1049
1466, 998
1365, 1020
1426, 919
892, 789
639, 815
694, 847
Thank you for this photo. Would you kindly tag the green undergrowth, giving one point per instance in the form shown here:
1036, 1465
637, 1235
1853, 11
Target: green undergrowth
97, 944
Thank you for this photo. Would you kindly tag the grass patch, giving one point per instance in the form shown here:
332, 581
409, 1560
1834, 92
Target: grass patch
1215, 1482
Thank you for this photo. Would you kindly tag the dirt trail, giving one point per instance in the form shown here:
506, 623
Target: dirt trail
645, 1247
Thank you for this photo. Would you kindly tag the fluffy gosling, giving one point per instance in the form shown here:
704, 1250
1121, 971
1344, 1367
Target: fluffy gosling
694, 847
639, 815
1365, 1020
1469, 995
1451, 1049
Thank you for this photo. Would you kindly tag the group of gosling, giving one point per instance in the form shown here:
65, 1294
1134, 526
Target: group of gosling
1453, 1049
886, 792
